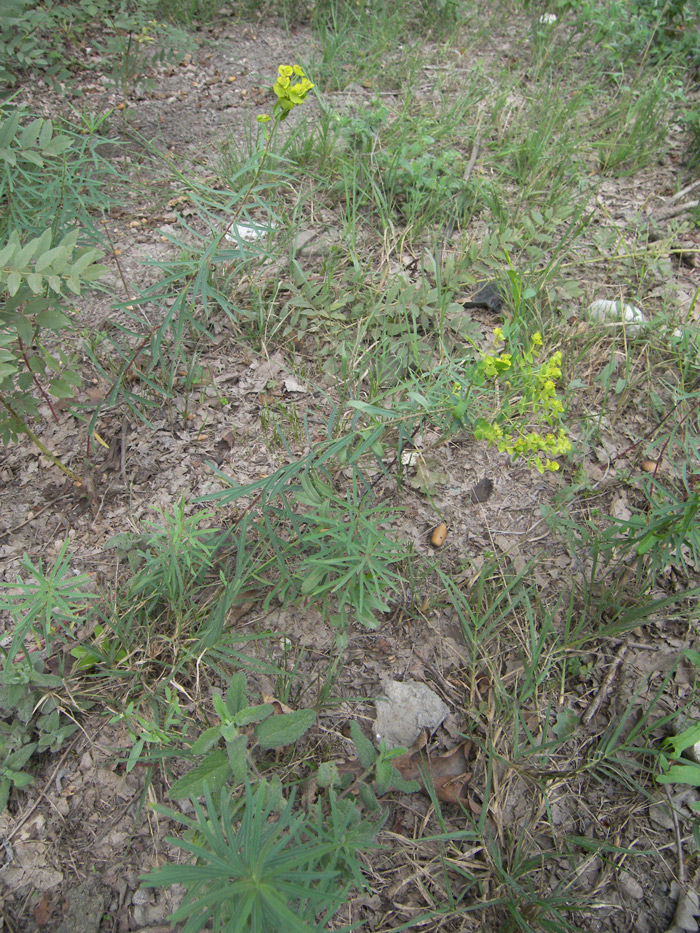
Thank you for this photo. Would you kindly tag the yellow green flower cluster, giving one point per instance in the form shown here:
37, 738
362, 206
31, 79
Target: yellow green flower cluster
531, 396
536, 448
290, 92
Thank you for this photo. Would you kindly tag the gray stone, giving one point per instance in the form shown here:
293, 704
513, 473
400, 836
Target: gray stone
85, 908
408, 708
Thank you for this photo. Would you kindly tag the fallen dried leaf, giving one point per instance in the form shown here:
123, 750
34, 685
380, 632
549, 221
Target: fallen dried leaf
687, 909
482, 490
447, 773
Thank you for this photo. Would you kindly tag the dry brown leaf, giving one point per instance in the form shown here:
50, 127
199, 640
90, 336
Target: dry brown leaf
280, 707
447, 773
687, 909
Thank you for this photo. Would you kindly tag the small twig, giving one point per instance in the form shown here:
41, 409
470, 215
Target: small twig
21, 820
49, 504
677, 833
115, 257
674, 211
605, 687
688, 188
35, 379
472, 159
653, 431
122, 457
42, 447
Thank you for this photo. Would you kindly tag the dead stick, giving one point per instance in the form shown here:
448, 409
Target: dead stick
688, 188
605, 687
674, 211
472, 161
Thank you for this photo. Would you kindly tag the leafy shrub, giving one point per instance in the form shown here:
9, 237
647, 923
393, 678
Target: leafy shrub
30, 721
48, 183
260, 866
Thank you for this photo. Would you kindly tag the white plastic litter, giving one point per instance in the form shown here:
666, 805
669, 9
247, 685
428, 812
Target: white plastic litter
247, 232
548, 19
617, 312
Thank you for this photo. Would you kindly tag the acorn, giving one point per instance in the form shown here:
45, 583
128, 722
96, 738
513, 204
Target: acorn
437, 538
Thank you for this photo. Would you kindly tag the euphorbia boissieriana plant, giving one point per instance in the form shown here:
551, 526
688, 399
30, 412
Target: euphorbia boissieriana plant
537, 404
291, 88
525, 398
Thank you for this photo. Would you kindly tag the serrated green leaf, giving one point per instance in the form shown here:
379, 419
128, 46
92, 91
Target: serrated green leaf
51, 362
72, 377
236, 694
278, 731
253, 714
36, 363
206, 741
366, 752
384, 773
212, 772
327, 774
237, 752
368, 797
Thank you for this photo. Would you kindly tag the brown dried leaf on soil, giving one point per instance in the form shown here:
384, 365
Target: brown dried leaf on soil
447, 774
